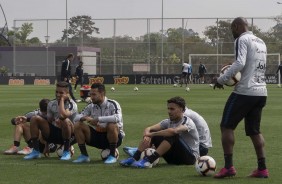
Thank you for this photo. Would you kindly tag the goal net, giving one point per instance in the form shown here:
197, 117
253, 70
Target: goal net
214, 62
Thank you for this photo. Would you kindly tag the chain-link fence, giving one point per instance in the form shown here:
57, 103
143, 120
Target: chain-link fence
143, 45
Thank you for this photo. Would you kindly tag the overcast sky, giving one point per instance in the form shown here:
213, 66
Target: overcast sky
104, 9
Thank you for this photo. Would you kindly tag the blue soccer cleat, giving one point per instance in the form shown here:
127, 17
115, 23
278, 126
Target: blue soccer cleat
82, 159
33, 155
144, 163
66, 156
110, 160
130, 150
127, 162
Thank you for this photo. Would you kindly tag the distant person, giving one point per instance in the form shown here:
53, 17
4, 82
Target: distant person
176, 139
189, 76
184, 74
202, 71
66, 74
247, 100
79, 75
279, 69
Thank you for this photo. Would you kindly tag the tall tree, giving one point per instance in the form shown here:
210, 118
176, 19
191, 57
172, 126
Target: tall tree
80, 28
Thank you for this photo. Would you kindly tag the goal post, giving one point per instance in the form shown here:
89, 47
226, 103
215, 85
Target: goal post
214, 62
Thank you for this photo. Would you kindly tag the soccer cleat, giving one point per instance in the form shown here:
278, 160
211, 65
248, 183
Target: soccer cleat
66, 155
144, 163
226, 172
81, 159
12, 150
27, 150
130, 150
259, 174
33, 155
127, 162
110, 160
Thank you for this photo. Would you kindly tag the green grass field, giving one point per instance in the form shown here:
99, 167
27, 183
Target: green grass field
140, 109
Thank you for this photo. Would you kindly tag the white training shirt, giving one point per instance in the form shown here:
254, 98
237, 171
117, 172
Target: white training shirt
250, 60
191, 136
108, 111
185, 67
202, 127
53, 110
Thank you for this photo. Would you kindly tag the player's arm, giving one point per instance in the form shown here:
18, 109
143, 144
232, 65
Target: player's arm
169, 132
149, 130
115, 117
64, 113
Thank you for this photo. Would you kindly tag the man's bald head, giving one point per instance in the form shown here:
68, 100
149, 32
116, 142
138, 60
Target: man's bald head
238, 26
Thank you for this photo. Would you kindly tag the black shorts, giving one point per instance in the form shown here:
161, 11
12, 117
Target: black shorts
184, 74
203, 150
238, 107
99, 139
179, 153
56, 136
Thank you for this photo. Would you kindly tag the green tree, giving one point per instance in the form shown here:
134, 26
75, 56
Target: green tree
80, 28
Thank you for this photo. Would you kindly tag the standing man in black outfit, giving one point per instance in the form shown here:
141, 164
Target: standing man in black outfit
66, 73
279, 70
79, 75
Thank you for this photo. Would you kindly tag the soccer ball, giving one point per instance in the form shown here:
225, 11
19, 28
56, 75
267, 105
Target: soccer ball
187, 89
205, 166
52, 147
234, 80
106, 152
147, 152
88, 100
135, 89
60, 150
113, 89
175, 85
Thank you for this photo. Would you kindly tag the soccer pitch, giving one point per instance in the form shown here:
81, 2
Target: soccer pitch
140, 109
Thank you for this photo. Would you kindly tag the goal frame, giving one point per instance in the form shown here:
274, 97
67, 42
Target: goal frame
217, 55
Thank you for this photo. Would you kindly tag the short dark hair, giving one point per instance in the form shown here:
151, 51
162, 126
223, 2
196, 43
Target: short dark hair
70, 55
99, 86
43, 104
178, 101
63, 84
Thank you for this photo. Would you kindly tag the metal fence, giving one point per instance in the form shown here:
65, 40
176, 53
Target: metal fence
128, 46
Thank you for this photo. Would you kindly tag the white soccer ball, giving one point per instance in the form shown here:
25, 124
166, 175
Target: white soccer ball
147, 152
88, 100
60, 150
175, 85
205, 166
135, 89
234, 80
106, 152
187, 89
113, 89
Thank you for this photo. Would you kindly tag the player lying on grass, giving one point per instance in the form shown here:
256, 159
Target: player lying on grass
176, 139
99, 125
22, 129
58, 128
202, 128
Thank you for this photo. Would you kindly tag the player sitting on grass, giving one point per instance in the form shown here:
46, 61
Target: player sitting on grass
202, 128
22, 128
176, 139
99, 125
58, 128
